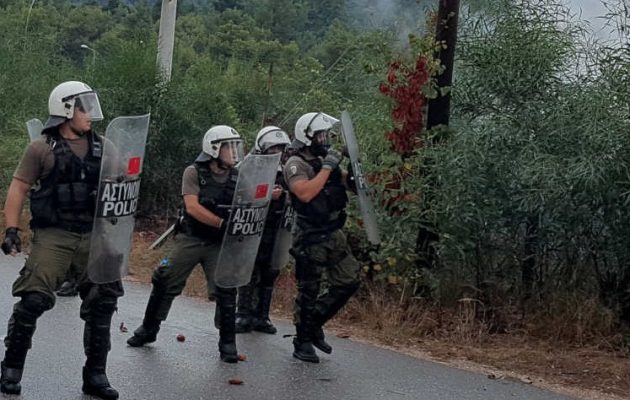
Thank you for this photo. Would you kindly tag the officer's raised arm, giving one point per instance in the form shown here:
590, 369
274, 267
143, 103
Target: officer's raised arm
306, 189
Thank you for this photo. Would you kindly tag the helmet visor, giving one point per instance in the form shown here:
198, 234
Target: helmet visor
231, 152
88, 103
276, 149
272, 138
322, 138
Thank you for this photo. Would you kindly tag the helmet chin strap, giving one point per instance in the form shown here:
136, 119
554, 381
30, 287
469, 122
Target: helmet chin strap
221, 164
68, 126
77, 131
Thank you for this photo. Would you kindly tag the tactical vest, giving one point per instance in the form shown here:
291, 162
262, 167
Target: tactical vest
214, 196
67, 197
326, 212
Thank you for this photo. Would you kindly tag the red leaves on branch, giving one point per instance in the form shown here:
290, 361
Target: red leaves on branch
404, 85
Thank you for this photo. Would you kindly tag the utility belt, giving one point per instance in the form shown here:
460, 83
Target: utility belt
74, 227
312, 233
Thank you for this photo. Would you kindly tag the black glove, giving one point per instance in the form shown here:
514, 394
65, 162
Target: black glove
11, 241
332, 159
351, 183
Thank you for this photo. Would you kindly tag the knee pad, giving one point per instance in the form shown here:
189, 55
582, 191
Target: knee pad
345, 291
98, 308
35, 303
105, 305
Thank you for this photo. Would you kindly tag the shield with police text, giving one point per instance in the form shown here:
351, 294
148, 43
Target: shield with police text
244, 229
284, 238
117, 198
35, 128
365, 203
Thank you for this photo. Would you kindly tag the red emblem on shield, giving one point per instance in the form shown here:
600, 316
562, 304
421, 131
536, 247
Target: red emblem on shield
133, 167
261, 190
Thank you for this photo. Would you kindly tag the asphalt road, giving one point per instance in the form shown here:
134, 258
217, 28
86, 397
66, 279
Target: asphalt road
191, 370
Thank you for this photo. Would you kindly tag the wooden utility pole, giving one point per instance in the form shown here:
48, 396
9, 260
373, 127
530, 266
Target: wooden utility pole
166, 39
439, 108
446, 35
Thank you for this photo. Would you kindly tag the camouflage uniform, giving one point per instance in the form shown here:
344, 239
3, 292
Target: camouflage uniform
320, 250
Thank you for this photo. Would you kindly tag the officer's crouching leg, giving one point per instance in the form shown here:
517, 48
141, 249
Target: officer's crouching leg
326, 308
97, 310
224, 320
158, 307
18, 340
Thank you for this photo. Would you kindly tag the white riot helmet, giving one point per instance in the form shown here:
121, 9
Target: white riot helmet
270, 136
222, 143
312, 122
70, 95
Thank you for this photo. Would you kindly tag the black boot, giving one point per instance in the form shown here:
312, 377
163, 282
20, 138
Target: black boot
303, 346
227, 350
95, 383
319, 341
225, 316
68, 289
97, 343
262, 323
147, 332
244, 318
304, 351
10, 380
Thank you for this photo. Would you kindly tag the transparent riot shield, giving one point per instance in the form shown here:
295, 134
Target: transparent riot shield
256, 177
284, 238
35, 128
117, 199
365, 203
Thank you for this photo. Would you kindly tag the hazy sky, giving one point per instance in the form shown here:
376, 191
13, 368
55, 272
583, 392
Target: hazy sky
591, 9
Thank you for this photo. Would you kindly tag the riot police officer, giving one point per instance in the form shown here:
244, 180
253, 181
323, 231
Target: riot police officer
254, 299
318, 191
207, 188
63, 167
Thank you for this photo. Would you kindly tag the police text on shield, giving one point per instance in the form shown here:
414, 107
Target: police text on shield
248, 221
118, 199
